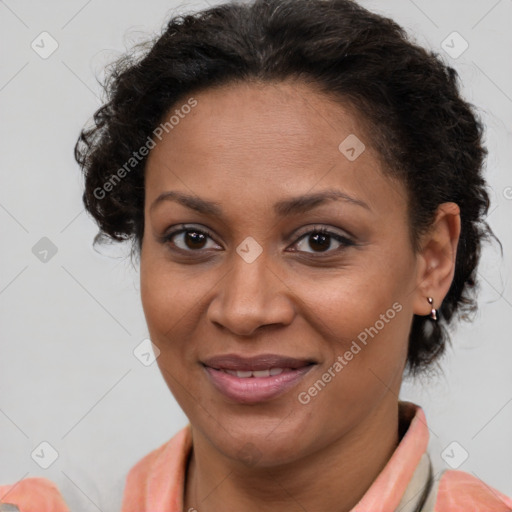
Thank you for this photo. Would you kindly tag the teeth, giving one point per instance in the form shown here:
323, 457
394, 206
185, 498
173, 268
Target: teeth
256, 373
261, 373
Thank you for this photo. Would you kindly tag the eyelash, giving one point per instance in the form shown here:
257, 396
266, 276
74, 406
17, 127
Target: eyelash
343, 240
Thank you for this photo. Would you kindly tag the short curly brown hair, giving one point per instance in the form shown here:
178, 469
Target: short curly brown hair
426, 134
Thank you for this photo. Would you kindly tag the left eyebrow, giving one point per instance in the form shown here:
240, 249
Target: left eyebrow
306, 202
284, 208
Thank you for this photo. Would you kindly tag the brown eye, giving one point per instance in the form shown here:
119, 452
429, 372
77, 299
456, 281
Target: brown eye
189, 239
320, 241
194, 239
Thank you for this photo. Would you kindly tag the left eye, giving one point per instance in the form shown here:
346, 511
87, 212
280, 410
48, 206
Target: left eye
322, 238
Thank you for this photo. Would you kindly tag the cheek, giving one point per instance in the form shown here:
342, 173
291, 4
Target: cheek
165, 304
367, 347
168, 308
368, 330
172, 298
365, 313
167, 295
361, 296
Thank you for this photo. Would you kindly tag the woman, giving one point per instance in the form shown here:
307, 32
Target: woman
301, 246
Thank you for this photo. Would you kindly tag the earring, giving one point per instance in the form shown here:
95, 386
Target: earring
433, 313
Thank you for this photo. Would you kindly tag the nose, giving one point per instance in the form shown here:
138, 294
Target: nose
250, 296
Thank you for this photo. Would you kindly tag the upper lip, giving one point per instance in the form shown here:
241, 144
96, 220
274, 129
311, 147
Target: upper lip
261, 362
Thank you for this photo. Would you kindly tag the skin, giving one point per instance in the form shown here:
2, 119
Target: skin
246, 147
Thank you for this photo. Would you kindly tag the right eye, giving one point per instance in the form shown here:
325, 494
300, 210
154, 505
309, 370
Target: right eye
188, 239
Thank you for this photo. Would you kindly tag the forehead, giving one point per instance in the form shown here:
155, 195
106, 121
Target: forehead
249, 115
267, 139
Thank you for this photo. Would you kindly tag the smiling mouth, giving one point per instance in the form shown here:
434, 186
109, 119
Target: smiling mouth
255, 379
256, 364
245, 374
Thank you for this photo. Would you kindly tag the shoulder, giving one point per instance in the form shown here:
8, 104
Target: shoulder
34, 493
463, 491
162, 467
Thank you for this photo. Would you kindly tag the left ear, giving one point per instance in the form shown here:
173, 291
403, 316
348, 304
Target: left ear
436, 259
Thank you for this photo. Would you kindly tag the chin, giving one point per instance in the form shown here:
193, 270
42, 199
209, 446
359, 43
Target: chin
257, 441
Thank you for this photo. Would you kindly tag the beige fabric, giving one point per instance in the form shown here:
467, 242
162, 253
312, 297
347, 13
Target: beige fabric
8, 507
422, 482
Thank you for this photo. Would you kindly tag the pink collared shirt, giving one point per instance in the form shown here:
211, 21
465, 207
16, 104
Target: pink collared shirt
157, 482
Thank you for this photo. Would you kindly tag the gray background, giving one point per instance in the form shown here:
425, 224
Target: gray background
70, 324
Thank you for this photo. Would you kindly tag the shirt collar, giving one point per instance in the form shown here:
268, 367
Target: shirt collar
387, 489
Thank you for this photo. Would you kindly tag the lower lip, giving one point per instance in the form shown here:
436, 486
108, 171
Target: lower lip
252, 390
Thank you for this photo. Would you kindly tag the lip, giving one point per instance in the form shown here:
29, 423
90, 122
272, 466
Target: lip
262, 362
252, 390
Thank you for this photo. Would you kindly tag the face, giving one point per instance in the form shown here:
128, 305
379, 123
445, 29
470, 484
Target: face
270, 248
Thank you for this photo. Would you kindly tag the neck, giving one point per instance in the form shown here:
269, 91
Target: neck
335, 478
